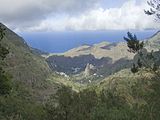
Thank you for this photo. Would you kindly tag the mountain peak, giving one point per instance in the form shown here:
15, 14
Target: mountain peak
102, 44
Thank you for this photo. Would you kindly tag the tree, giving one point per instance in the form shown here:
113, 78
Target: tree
154, 8
146, 60
5, 84
139, 63
67, 104
3, 50
59, 105
134, 69
133, 43
135, 46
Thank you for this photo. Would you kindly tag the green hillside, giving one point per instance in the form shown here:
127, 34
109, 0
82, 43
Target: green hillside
21, 55
106, 58
25, 66
39, 93
28, 73
122, 96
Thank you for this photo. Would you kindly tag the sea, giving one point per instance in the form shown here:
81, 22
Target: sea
59, 42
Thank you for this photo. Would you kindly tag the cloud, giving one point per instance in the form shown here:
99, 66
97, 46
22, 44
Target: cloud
31, 12
70, 16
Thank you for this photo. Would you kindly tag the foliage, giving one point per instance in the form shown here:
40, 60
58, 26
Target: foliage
154, 8
18, 97
20, 105
139, 63
135, 46
15, 102
5, 83
123, 98
144, 58
134, 69
3, 50
70, 105
133, 43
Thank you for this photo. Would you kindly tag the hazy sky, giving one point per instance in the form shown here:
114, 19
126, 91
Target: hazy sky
65, 15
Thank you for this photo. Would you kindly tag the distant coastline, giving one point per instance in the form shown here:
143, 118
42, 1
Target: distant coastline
59, 42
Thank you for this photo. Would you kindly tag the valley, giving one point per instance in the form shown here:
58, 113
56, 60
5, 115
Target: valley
80, 60
87, 64
85, 83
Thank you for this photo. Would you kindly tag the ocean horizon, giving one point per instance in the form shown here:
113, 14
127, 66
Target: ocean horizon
59, 42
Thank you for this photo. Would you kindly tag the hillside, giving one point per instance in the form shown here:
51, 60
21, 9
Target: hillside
107, 58
115, 51
25, 66
153, 43
121, 96
81, 84
103, 55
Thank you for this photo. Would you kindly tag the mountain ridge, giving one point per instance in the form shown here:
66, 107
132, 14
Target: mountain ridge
25, 66
112, 55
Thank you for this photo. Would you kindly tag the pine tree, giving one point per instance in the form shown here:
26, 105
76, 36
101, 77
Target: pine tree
133, 43
135, 46
134, 69
139, 63
154, 8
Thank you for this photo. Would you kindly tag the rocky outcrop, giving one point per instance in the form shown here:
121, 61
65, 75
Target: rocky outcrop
89, 70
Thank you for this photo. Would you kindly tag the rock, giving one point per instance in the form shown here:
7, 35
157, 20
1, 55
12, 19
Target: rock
89, 70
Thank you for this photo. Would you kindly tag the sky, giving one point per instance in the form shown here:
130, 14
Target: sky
75, 15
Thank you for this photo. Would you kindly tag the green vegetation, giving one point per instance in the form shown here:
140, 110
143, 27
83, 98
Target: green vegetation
154, 8
144, 58
124, 96
17, 101
20, 105
133, 43
5, 83
61, 80
26, 67
34, 93
70, 105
